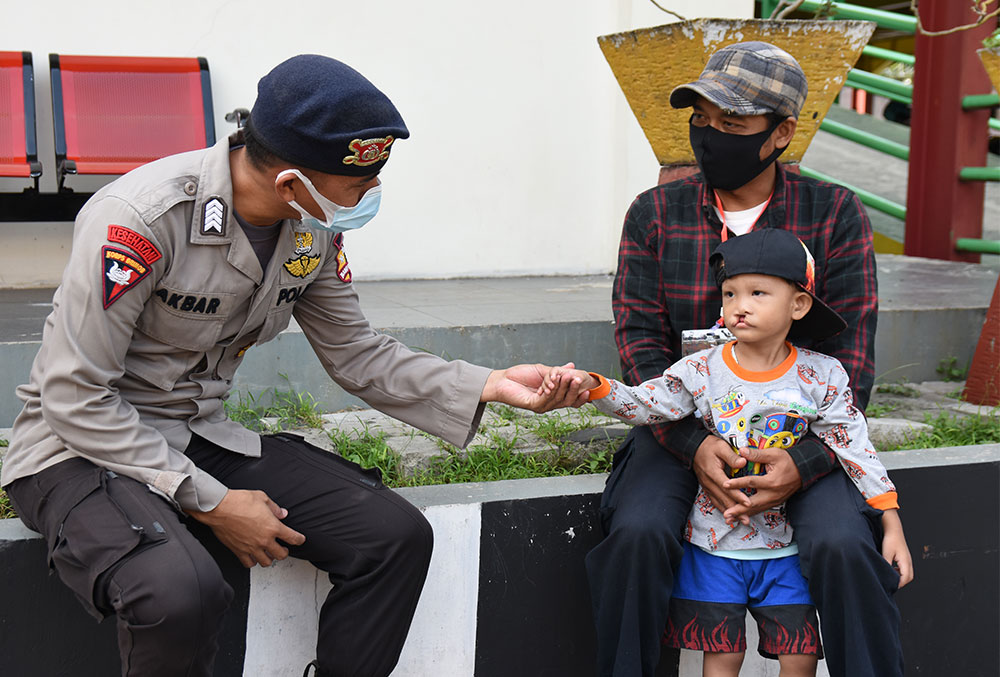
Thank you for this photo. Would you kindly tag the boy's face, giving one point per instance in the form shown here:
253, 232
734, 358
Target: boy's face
762, 307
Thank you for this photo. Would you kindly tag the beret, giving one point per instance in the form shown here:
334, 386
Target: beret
322, 114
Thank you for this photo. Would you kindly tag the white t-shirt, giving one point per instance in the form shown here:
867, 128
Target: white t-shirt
742, 221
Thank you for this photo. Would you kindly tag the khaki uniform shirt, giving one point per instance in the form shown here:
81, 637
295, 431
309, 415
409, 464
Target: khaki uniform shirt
162, 297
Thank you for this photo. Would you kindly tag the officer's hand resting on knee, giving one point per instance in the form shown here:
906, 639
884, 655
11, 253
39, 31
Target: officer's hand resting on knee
249, 523
711, 466
776, 486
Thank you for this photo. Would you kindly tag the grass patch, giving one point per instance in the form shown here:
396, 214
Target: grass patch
955, 431
880, 410
292, 409
494, 460
898, 389
6, 509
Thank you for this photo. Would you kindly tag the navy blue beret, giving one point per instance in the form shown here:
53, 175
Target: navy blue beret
322, 114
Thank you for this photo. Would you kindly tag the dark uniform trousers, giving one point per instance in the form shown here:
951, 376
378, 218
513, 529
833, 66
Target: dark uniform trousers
126, 551
644, 508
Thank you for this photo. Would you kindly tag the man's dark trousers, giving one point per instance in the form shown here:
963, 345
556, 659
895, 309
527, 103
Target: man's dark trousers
126, 551
644, 508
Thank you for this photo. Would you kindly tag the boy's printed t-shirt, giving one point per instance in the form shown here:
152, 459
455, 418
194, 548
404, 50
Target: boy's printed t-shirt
774, 408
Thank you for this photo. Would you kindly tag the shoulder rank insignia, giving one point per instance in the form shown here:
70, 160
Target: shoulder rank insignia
121, 271
135, 242
303, 242
302, 266
368, 151
213, 218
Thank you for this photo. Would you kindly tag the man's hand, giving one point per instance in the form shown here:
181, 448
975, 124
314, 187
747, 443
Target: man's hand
521, 386
248, 523
773, 488
711, 466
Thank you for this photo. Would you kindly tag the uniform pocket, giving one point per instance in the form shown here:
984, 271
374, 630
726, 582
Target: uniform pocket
111, 521
190, 320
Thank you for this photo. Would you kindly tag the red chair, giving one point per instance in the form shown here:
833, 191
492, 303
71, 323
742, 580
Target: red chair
112, 114
18, 152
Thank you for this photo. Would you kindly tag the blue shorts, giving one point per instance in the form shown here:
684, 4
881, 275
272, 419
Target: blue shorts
713, 594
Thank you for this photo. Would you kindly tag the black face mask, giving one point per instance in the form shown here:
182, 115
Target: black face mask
729, 161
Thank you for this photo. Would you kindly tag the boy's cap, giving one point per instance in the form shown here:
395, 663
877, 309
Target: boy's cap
322, 114
748, 78
772, 251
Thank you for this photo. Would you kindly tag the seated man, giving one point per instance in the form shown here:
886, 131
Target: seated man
123, 446
745, 107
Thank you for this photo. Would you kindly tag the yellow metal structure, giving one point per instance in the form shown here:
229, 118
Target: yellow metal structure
649, 62
991, 62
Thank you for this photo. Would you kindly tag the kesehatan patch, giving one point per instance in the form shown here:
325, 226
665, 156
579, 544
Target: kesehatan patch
301, 266
133, 240
121, 270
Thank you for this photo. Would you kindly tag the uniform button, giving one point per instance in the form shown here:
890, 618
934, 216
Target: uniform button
190, 187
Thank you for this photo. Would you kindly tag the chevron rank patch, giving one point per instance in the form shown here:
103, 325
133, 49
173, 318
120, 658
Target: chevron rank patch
213, 218
121, 270
134, 241
302, 265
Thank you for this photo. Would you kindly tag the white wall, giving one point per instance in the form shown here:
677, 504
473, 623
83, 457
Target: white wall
523, 154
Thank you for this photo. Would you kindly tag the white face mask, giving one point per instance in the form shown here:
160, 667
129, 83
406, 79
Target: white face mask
335, 217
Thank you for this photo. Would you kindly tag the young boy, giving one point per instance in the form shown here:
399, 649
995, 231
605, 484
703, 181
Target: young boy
758, 390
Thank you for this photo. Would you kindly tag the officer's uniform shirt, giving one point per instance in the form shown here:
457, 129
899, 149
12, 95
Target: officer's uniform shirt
162, 298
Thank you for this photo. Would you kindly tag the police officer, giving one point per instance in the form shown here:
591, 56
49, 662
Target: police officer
177, 270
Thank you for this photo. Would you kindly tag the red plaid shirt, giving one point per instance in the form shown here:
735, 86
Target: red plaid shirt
664, 285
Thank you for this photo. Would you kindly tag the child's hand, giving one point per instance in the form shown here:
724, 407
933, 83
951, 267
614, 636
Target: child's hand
559, 382
894, 548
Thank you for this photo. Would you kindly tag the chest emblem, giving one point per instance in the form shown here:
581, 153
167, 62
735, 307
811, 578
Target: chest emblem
213, 218
368, 151
303, 242
121, 271
301, 266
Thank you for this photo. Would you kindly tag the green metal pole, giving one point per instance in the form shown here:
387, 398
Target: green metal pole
994, 123
880, 92
968, 244
882, 82
980, 101
871, 199
890, 54
897, 22
767, 8
979, 174
866, 138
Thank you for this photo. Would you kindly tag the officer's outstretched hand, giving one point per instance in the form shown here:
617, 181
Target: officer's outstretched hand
249, 523
521, 386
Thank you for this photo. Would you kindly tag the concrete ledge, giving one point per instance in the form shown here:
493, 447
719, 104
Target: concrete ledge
507, 592
928, 311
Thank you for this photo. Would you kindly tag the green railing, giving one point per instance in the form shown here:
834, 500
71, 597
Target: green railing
893, 90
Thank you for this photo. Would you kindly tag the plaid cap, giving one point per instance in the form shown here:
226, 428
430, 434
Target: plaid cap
776, 252
748, 78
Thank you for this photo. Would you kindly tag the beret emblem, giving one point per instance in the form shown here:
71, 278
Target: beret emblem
368, 151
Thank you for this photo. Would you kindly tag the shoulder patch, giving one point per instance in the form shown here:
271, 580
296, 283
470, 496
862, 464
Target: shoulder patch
121, 270
213, 217
343, 269
134, 241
